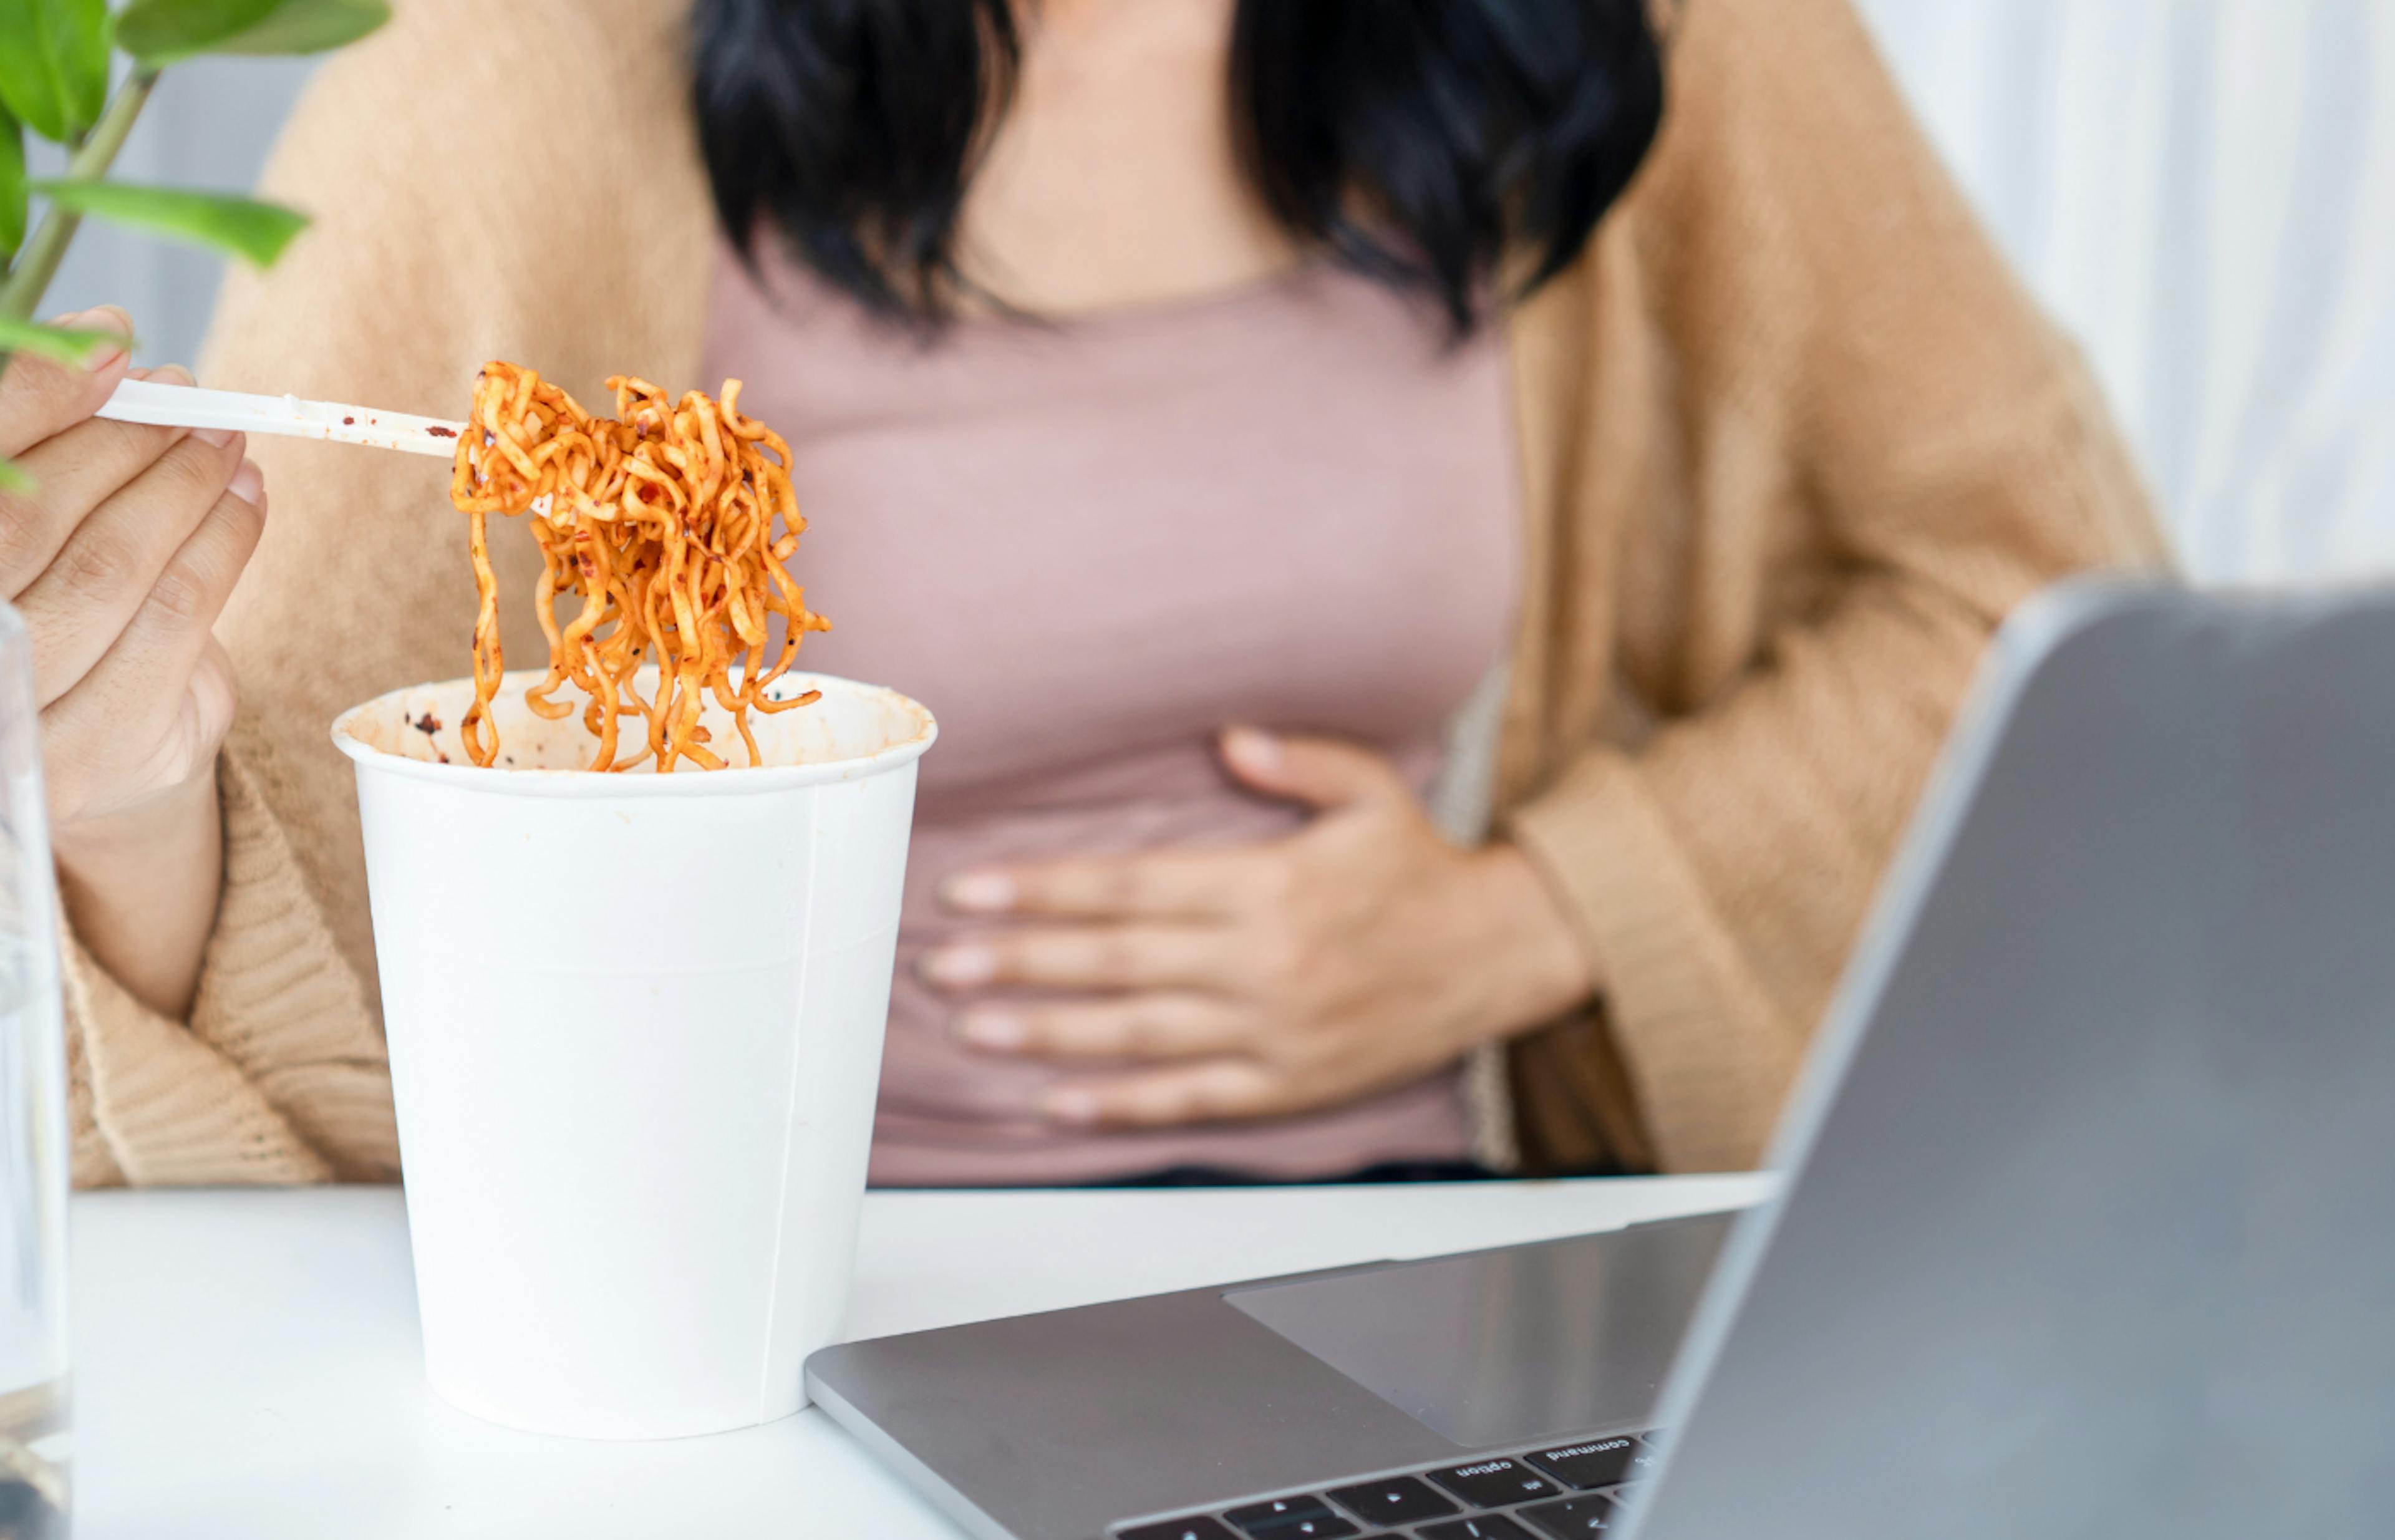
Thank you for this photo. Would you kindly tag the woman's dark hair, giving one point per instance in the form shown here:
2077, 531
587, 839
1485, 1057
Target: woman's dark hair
1443, 146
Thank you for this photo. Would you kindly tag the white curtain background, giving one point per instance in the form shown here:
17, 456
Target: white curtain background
2203, 190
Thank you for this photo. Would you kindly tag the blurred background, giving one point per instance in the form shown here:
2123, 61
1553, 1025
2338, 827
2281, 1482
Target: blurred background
2203, 191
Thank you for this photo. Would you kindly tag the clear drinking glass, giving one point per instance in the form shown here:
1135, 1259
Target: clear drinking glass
33, 1411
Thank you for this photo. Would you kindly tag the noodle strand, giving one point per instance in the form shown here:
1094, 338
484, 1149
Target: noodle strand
661, 520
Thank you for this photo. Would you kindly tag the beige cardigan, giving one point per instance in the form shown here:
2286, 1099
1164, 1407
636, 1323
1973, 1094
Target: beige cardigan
1794, 441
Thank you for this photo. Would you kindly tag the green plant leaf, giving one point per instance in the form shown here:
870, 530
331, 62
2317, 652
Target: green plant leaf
12, 187
257, 231
54, 64
310, 26
159, 32
67, 344
15, 478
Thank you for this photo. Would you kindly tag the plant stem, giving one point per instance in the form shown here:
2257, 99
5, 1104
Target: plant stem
38, 263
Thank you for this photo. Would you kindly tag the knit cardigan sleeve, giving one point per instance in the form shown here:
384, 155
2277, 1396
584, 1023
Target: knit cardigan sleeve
1841, 381
530, 195
278, 1077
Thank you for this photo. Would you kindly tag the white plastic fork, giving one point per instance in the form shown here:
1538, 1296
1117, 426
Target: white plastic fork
187, 406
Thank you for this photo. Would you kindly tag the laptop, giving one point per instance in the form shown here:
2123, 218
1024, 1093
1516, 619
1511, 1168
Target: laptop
2087, 1227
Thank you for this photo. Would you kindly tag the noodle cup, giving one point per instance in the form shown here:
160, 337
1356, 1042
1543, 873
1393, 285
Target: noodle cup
635, 1026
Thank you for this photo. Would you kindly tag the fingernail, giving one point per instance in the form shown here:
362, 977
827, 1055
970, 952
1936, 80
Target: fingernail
961, 967
1072, 1105
249, 485
107, 318
171, 374
994, 1030
1253, 748
219, 437
984, 892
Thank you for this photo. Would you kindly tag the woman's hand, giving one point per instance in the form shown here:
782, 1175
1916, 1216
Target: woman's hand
120, 561
1358, 954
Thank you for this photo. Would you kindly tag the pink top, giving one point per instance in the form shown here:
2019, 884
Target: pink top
1088, 546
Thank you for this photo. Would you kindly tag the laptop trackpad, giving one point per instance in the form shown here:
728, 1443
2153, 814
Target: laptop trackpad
1508, 1347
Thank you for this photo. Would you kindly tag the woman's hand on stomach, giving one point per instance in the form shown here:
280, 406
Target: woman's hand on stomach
1361, 953
120, 560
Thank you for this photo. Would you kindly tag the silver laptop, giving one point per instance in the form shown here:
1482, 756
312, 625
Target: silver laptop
2088, 1230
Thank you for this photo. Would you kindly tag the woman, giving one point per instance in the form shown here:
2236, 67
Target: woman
1199, 404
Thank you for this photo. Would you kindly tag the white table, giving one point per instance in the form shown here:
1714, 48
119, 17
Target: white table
246, 1363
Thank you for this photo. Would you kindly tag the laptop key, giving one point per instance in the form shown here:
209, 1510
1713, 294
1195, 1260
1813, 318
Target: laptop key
1179, 1529
1257, 1518
1399, 1500
1494, 1483
1302, 1518
1489, 1526
1596, 1463
1587, 1514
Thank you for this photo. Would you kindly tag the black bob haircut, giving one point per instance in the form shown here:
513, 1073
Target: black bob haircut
1445, 147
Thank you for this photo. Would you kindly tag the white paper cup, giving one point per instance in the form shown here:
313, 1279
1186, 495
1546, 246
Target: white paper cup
635, 1028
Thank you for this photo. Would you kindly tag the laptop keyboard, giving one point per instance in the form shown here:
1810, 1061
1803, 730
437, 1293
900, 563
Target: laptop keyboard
1553, 1493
